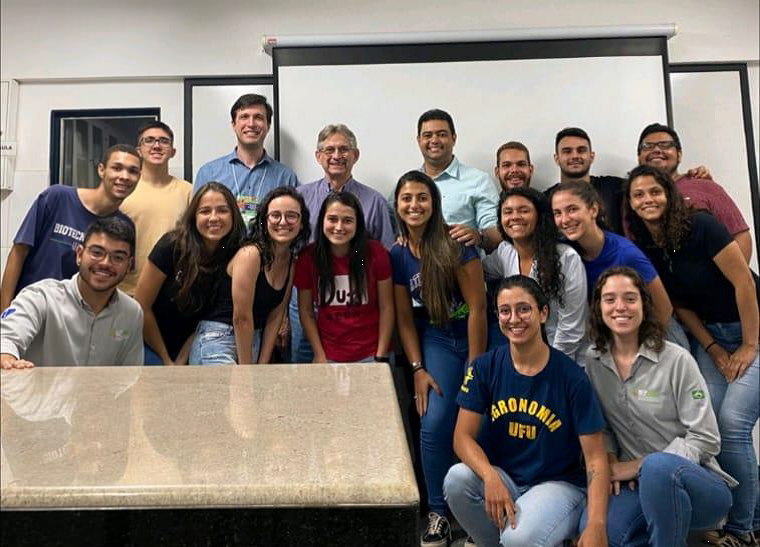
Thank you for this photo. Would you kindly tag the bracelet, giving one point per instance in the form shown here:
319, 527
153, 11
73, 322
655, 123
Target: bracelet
711, 344
417, 366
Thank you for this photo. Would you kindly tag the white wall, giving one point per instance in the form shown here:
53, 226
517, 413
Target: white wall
42, 41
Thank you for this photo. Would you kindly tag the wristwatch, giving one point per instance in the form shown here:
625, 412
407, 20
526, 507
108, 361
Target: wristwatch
417, 365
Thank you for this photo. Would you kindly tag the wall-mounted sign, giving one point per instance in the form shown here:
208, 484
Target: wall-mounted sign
8, 149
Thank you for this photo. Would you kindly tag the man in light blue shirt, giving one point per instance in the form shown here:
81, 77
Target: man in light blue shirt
469, 196
248, 171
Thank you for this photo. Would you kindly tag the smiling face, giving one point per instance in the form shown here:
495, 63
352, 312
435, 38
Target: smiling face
648, 199
339, 226
213, 219
337, 157
621, 305
518, 217
120, 174
251, 126
436, 142
572, 216
574, 157
414, 204
520, 319
103, 262
283, 219
155, 146
513, 169
659, 150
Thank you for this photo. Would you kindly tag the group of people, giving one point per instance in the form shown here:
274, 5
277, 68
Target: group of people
499, 303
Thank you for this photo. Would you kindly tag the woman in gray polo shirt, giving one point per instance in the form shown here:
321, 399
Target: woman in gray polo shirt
662, 435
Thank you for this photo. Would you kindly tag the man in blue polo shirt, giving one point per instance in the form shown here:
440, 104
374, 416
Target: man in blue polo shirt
248, 171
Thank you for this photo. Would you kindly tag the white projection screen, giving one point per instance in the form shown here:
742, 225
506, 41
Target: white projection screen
496, 92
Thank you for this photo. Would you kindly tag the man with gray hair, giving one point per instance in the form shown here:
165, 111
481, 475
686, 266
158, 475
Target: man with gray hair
337, 153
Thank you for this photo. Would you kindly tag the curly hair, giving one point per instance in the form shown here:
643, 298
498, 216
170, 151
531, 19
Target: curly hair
651, 333
675, 221
543, 239
439, 254
259, 232
198, 272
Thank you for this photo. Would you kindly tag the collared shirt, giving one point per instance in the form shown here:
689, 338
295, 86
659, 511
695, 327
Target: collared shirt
49, 323
376, 215
468, 196
249, 185
663, 406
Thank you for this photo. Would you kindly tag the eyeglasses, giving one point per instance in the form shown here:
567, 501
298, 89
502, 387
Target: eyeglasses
330, 150
163, 142
662, 145
523, 310
98, 254
291, 217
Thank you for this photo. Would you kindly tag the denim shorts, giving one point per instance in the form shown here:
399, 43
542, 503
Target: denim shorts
214, 344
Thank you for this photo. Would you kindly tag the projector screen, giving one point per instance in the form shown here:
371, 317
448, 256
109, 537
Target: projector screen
496, 92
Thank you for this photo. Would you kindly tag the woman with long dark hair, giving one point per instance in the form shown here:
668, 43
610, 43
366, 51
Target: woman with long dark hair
531, 248
241, 326
716, 298
346, 276
183, 271
440, 311
663, 435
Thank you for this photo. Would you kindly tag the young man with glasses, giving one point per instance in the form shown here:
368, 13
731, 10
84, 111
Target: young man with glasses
660, 147
337, 153
45, 244
159, 200
80, 321
248, 171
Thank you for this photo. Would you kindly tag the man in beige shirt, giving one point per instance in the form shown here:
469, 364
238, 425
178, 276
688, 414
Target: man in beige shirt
159, 200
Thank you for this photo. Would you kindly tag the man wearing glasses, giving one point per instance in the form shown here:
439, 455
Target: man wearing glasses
159, 200
660, 147
80, 321
45, 244
337, 153
248, 170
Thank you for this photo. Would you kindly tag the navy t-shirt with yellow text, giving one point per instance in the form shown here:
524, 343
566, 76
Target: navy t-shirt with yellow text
534, 421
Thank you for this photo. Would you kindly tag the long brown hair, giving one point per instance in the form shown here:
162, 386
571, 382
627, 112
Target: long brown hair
651, 333
198, 272
439, 254
674, 222
587, 195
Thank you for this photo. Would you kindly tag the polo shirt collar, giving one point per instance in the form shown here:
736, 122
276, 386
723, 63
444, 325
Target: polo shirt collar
451, 171
72, 287
232, 157
643, 353
325, 186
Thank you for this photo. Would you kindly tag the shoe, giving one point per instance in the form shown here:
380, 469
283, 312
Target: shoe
728, 539
437, 533
469, 542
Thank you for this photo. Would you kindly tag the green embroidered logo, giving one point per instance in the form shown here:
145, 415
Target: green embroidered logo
697, 394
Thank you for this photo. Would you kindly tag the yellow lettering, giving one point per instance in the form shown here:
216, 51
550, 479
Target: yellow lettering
502, 407
532, 408
512, 403
494, 413
523, 407
543, 414
531, 433
512, 429
555, 425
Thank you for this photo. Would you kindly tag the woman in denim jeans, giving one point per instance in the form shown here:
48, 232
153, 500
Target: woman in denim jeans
662, 435
439, 293
241, 327
716, 298
183, 271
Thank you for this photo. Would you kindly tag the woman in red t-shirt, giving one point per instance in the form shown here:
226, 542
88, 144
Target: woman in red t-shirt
346, 278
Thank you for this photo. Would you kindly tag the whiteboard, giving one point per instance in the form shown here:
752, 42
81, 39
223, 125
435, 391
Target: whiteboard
707, 113
491, 101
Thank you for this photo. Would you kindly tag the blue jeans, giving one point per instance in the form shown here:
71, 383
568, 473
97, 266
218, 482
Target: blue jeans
736, 406
547, 513
445, 353
214, 344
300, 349
151, 357
674, 495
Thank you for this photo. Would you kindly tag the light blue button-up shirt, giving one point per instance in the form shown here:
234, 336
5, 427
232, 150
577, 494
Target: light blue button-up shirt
249, 185
468, 196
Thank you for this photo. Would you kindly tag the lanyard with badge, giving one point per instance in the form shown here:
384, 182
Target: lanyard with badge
247, 204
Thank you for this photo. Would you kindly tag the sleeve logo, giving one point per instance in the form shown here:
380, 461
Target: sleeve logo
697, 394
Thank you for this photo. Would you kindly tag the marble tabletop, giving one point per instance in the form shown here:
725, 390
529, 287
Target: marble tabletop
236, 436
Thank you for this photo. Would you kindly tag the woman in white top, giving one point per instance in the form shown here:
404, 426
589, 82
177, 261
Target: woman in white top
531, 248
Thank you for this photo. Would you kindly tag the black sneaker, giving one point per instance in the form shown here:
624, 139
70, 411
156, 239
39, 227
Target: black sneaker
437, 533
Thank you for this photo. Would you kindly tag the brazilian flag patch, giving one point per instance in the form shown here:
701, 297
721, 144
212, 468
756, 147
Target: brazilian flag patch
697, 394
